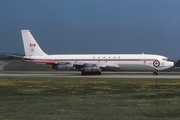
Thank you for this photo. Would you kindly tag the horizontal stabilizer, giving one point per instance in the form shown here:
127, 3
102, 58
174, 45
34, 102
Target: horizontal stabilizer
16, 56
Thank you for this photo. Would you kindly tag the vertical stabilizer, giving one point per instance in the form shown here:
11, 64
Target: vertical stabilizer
31, 47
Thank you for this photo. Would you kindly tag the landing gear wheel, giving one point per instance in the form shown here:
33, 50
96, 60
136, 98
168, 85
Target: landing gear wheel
83, 73
155, 73
90, 73
99, 73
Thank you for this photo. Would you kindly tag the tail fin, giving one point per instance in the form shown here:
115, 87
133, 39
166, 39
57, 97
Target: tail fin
31, 47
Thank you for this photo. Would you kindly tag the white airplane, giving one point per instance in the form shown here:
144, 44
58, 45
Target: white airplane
93, 64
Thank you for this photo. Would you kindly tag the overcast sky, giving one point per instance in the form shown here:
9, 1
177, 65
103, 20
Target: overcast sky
93, 26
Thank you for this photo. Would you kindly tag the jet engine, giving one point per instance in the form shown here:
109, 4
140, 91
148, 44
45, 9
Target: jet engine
63, 66
91, 69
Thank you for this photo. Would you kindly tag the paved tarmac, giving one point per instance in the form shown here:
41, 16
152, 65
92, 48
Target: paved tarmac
78, 75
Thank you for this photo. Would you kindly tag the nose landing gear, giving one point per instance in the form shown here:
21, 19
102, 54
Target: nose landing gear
155, 73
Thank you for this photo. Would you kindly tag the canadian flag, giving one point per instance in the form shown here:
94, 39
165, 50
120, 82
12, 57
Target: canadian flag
33, 45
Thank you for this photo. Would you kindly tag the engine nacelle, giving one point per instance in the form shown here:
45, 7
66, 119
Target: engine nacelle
91, 69
68, 66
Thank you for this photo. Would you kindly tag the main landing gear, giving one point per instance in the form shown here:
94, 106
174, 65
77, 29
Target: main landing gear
155, 73
90, 73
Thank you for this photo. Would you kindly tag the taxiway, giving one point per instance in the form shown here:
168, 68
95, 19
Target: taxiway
77, 75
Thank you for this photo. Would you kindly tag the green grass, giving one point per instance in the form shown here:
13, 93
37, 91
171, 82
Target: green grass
89, 99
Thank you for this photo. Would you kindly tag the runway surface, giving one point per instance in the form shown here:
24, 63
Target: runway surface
78, 75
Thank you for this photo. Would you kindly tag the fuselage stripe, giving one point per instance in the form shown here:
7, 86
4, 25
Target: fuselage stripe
76, 60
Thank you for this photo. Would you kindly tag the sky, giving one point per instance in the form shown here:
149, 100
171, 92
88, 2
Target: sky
93, 26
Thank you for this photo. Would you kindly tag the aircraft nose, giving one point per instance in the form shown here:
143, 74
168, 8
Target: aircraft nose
172, 64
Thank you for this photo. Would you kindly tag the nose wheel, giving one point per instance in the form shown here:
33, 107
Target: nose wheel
155, 73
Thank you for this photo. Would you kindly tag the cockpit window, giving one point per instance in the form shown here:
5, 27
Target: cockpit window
166, 59
170, 60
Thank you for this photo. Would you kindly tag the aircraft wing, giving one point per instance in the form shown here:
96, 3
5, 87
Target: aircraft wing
77, 65
45, 62
80, 65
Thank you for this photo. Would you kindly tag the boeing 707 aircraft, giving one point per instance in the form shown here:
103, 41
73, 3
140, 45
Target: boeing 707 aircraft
93, 64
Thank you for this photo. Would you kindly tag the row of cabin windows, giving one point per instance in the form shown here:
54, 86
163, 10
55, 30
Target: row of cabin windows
97, 60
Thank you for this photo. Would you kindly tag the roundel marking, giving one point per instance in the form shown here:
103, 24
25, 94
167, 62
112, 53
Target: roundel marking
156, 63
